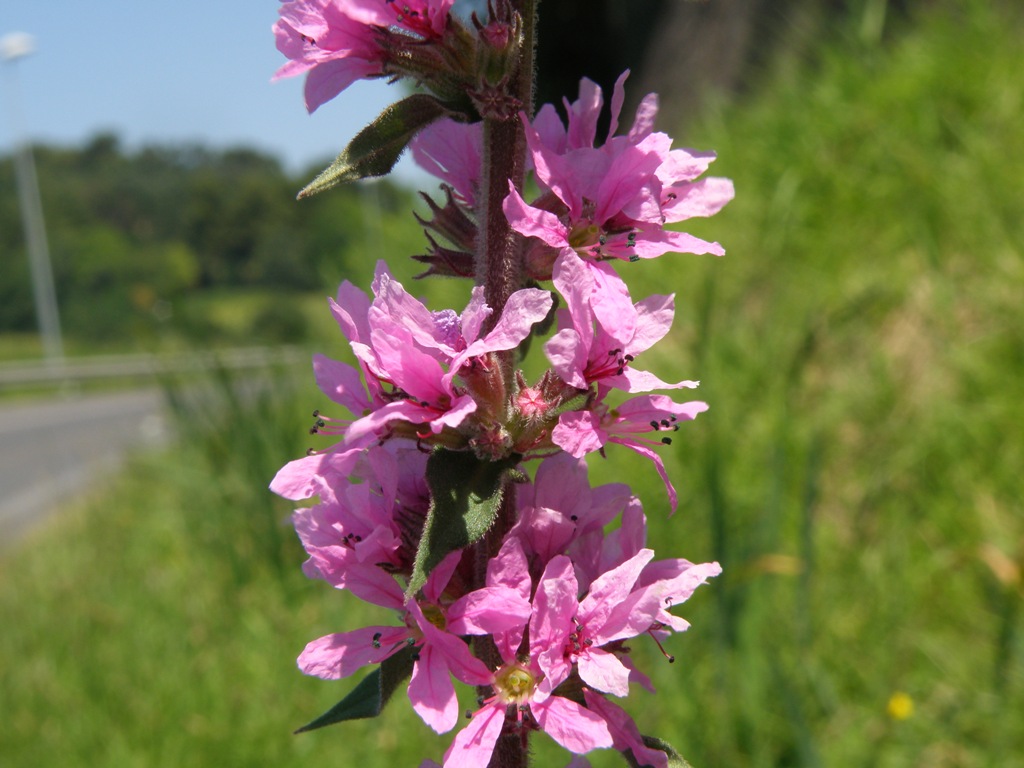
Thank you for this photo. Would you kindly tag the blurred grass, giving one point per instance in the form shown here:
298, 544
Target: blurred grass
858, 475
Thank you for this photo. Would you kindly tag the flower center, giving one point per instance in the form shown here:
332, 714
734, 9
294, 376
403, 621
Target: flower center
434, 615
583, 236
514, 684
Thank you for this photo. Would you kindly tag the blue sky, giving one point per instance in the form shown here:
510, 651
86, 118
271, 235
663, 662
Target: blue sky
187, 70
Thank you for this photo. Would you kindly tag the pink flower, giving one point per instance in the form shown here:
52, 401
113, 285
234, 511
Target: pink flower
582, 432
577, 631
410, 357
434, 625
560, 507
367, 523
603, 331
340, 41
613, 201
451, 151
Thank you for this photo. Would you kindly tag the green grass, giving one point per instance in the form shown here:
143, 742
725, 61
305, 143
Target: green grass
858, 475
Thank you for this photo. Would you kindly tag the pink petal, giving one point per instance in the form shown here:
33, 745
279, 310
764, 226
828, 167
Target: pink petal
700, 198
339, 655
610, 589
533, 222
603, 671
643, 120
554, 606
350, 310
643, 450
487, 611
432, 693
341, 382
313, 475
328, 79
474, 744
583, 114
510, 569
681, 242
523, 310
475, 314
568, 356
618, 98
574, 727
438, 579
628, 173
654, 316
624, 731
578, 433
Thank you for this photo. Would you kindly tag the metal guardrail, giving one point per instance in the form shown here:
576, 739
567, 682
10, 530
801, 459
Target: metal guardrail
72, 369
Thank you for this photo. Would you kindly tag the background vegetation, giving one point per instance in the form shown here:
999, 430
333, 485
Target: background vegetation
858, 476
178, 245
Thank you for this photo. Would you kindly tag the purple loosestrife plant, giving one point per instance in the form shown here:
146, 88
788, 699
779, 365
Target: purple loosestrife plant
454, 492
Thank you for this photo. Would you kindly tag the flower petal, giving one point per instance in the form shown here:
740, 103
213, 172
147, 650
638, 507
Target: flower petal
474, 744
574, 727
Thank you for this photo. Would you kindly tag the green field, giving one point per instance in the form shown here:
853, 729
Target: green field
858, 475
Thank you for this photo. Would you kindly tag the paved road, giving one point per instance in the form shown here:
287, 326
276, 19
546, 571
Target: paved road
53, 449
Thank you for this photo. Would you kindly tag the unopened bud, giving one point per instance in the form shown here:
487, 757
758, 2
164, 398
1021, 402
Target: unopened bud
531, 403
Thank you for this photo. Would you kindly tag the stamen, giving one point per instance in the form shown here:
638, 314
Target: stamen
670, 657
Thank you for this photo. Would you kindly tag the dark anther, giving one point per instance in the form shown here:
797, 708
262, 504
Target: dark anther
313, 430
666, 423
316, 414
469, 715
376, 640
634, 258
574, 518
321, 423
310, 451
654, 424
671, 659
671, 196
415, 657
667, 440
629, 358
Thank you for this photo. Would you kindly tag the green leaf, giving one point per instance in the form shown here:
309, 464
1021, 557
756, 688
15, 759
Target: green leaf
675, 760
369, 697
465, 495
375, 149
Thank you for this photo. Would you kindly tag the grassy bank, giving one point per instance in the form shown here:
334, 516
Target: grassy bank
858, 475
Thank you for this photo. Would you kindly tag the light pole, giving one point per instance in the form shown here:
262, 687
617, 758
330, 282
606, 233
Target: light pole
13, 47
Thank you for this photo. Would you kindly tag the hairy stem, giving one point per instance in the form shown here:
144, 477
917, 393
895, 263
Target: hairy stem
499, 268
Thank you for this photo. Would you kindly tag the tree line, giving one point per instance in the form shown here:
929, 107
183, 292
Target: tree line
132, 234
